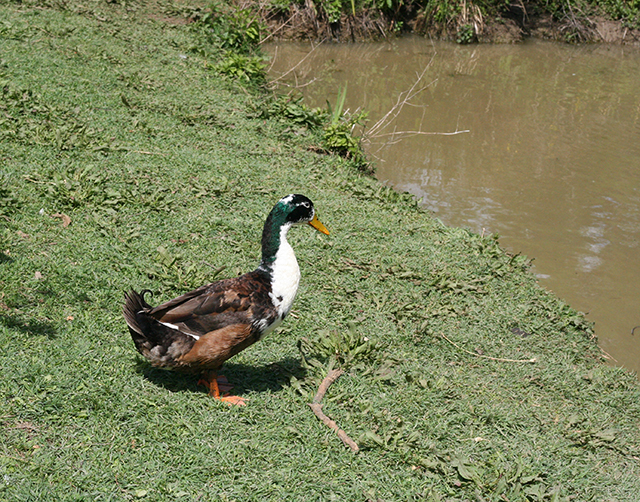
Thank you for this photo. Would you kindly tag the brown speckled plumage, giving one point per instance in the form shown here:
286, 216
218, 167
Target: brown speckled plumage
214, 323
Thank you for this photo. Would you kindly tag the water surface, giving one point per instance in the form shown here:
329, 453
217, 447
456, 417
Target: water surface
550, 159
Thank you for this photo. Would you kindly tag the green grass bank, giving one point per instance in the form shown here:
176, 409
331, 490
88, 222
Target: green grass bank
136, 152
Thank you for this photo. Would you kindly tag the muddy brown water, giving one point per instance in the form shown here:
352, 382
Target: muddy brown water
537, 142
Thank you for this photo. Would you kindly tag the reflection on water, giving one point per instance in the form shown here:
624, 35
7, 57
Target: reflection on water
550, 162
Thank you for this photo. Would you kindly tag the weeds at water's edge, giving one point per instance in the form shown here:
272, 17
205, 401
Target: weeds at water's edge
462, 21
237, 32
337, 126
338, 135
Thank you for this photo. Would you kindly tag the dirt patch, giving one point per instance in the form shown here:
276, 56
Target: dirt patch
504, 31
174, 13
584, 29
174, 20
614, 32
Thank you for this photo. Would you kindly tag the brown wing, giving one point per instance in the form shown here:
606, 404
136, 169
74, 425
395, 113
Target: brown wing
212, 349
238, 301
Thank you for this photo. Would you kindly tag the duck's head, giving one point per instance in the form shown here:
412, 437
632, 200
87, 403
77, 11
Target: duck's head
292, 209
295, 209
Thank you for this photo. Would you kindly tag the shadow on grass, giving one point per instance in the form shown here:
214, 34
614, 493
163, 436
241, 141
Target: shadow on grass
4, 258
33, 327
243, 377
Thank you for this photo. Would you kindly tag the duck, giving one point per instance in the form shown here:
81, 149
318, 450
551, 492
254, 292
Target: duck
198, 331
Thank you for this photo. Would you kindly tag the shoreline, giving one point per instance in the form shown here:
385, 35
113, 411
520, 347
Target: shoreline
515, 27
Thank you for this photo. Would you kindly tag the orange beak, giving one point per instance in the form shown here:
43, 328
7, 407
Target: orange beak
315, 223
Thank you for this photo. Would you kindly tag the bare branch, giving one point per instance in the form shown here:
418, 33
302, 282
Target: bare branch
331, 377
403, 99
500, 359
298, 64
415, 133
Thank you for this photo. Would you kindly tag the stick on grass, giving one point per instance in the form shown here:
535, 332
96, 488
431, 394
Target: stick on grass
331, 377
500, 359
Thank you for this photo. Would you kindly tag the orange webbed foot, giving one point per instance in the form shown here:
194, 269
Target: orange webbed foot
215, 384
234, 400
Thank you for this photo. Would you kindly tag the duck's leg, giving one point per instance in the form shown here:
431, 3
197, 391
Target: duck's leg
210, 381
223, 384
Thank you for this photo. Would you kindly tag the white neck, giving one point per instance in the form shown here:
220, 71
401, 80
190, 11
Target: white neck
285, 275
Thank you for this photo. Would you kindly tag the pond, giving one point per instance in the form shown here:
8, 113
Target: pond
537, 142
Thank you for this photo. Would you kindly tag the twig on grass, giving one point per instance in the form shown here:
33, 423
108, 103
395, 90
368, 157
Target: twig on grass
144, 152
331, 377
532, 360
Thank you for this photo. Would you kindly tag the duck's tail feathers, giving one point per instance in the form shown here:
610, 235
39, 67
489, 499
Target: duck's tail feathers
162, 344
133, 304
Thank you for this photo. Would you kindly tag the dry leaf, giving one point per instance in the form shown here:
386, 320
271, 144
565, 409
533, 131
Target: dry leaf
37, 276
22, 235
66, 221
69, 318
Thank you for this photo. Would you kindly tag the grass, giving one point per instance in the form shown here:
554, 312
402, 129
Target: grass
128, 160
